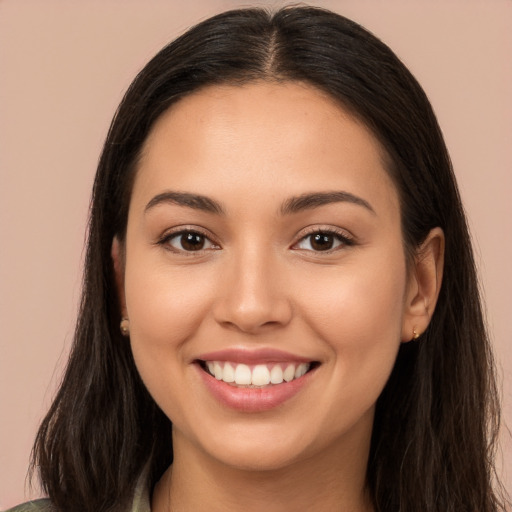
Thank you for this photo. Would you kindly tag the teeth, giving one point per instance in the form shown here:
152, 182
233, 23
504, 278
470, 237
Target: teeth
217, 371
289, 373
301, 370
260, 374
276, 375
229, 373
242, 374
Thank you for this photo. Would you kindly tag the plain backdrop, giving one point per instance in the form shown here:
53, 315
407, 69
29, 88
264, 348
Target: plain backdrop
64, 66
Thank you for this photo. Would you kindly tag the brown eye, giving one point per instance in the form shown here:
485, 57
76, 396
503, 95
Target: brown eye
323, 241
189, 241
192, 241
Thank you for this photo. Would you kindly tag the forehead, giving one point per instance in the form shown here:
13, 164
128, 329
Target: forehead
269, 137
222, 110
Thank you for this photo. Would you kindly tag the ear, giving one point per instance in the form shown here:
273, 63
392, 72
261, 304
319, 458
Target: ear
117, 254
424, 284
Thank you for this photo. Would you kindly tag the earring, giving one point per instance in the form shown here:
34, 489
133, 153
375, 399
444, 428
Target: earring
125, 327
415, 335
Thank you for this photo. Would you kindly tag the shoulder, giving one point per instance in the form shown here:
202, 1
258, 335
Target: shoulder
140, 501
43, 505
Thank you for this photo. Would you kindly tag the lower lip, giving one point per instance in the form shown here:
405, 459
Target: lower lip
253, 399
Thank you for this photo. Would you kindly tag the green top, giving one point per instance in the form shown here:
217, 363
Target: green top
140, 502
42, 505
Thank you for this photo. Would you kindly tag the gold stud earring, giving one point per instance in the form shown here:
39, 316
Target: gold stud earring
415, 335
125, 327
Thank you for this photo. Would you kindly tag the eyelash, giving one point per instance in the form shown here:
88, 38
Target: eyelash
167, 237
341, 236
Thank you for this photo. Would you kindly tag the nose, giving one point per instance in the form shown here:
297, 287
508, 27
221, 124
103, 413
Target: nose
252, 296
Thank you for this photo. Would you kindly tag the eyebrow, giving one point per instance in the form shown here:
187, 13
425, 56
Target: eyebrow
316, 199
290, 206
195, 201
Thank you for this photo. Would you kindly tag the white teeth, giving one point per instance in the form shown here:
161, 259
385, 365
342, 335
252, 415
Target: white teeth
301, 370
289, 373
217, 370
229, 373
242, 374
260, 375
276, 375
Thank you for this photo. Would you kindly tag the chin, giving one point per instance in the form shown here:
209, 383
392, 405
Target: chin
260, 447
249, 458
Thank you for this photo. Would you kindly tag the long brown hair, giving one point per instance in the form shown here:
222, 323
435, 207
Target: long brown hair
437, 418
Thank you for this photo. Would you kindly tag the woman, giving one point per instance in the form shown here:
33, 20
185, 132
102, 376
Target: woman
278, 264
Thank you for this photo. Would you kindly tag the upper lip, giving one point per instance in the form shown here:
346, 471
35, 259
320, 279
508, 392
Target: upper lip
252, 356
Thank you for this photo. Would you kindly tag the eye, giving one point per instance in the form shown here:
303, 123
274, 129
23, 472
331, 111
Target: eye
189, 241
322, 241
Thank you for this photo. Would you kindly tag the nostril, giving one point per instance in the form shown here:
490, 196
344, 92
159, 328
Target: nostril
251, 309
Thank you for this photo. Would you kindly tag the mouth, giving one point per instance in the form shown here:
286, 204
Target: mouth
254, 381
263, 375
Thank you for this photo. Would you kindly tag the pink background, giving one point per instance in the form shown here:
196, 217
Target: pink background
63, 68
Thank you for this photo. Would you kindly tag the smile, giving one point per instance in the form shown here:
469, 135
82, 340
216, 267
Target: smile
254, 381
259, 375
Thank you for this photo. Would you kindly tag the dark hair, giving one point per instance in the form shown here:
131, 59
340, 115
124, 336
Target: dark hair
437, 418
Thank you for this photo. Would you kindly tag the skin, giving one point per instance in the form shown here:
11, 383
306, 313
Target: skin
258, 282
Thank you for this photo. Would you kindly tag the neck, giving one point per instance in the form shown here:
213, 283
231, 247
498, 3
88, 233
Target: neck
334, 480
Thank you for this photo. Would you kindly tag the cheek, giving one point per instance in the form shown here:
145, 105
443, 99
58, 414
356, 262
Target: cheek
358, 318
165, 309
357, 311
366, 300
164, 304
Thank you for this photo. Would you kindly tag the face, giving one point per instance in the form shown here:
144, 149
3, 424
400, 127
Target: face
263, 242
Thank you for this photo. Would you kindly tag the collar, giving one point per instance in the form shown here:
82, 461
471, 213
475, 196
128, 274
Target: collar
141, 501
